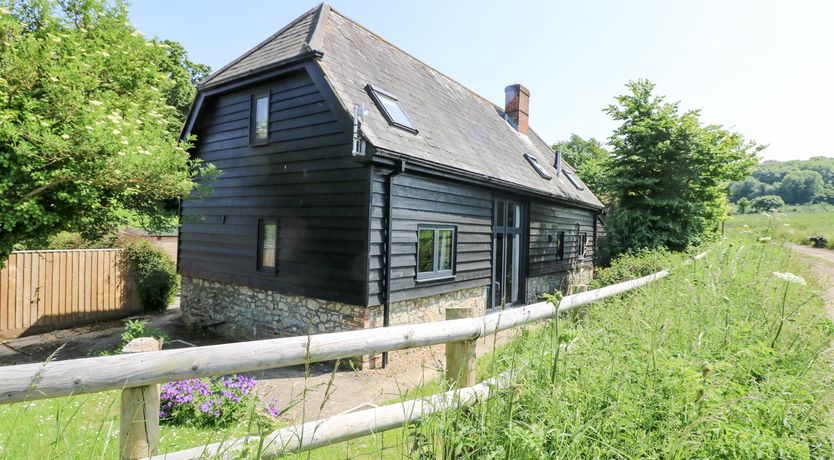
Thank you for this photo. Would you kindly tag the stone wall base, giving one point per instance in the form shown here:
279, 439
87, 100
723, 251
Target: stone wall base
561, 281
245, 313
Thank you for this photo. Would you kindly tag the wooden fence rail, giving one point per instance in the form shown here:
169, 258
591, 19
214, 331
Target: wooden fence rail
123, 372
45, 290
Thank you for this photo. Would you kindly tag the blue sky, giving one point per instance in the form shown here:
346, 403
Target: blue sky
764, 68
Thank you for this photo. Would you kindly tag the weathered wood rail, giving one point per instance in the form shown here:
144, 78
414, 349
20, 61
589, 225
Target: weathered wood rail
146, 370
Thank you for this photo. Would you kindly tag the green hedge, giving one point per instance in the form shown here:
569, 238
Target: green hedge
156, 273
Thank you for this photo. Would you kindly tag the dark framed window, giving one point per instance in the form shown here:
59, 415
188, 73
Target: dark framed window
582, 242
560, 246
574, 180
268, 245
390, 107
259, 119
436, 251
534, 162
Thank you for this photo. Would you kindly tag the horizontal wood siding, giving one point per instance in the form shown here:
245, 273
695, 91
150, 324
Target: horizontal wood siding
546, 221
419, 200
47, 290
305, 178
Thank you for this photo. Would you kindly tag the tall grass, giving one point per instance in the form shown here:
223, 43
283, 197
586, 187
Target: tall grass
796, 225
720, 360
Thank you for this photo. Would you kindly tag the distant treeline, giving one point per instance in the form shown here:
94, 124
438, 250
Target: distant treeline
795, 182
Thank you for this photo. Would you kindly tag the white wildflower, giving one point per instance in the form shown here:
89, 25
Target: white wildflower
104, 53
124, 141
790, 277
4, 11
764, 239
766, 214
746, 226
95, 103
786, 225
88, 128
116, 132
137, 33
55, 79
65, 136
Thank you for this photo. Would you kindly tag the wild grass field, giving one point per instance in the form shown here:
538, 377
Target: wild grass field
725, 358
793, 223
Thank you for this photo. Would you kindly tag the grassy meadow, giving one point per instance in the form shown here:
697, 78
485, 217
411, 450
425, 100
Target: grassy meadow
793, 223
722, 359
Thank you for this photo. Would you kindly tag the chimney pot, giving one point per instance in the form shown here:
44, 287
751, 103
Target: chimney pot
517, 106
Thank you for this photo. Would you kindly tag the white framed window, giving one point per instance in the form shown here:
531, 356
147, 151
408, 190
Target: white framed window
436, 251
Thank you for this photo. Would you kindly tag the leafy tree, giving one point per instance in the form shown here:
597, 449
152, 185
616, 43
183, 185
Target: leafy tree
771, 172
669, 173
90, 113
749, 188
767, 203
589, 158
743, 205
800, 187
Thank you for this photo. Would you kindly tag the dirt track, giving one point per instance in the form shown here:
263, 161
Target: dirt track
821, 262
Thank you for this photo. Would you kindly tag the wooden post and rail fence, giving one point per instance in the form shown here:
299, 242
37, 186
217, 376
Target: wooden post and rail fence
138, 375
47, 290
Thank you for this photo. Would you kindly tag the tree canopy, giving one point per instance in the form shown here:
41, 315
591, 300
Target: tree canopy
589, 158
796, 181
669, 172
90, 112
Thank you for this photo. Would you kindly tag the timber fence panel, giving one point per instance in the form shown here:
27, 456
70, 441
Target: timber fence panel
45, 290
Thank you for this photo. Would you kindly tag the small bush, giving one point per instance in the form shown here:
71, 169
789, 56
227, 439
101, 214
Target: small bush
214, 402
630, 266
156, 274
137, 328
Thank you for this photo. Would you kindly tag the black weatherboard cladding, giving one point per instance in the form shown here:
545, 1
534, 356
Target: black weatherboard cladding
422, 200
547, 219
305, 178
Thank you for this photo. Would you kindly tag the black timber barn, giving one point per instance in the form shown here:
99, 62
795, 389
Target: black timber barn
361, 187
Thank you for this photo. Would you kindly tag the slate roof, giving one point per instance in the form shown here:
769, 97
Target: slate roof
457, 128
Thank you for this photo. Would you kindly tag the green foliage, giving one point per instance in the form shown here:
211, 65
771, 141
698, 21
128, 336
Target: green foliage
796, 181
631, 265
589, 158
669, 173
694, 366
137, 328
156, 274
90, 113
766, 203
794, 223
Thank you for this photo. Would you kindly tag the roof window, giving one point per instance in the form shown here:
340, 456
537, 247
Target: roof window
391, 109
538, 167
574, 180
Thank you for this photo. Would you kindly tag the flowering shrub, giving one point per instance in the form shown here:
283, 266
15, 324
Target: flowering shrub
209, 402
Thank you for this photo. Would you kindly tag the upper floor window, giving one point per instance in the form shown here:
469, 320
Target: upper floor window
435, 251
574, 180
259, 121
534, 162
267, 245
390, 107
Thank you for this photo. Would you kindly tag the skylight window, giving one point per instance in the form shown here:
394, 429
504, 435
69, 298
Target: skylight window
538, 167
391, 108
574, 180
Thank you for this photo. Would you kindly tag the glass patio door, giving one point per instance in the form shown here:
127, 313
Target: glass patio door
506, 260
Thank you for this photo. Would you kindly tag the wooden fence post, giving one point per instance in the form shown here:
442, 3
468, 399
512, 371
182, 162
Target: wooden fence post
139, 434
460, 356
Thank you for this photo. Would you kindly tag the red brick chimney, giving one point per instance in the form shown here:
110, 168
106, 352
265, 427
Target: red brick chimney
517, 106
